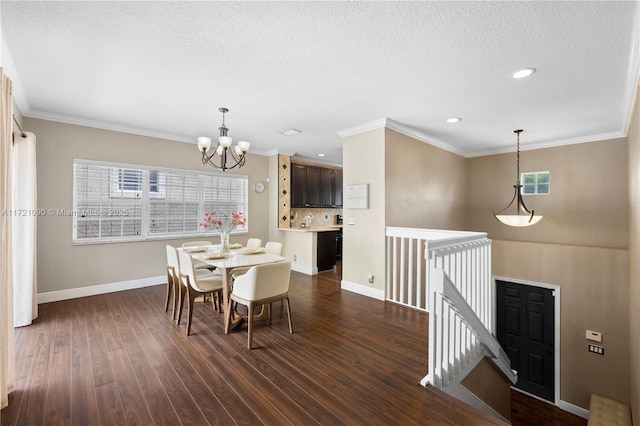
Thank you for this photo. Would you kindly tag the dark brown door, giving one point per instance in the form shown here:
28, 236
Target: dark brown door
525, 325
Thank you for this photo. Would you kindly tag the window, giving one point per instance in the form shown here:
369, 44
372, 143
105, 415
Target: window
116, 202
536, 183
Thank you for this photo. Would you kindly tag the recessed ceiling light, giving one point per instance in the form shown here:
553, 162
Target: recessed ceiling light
320, 155
291, 132
453, 119
523, 73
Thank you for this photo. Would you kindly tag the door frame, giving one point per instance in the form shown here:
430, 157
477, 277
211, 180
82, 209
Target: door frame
556, 331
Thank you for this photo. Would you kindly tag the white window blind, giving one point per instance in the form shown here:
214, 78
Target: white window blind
118, 202
178, 210
225, 195
101, 211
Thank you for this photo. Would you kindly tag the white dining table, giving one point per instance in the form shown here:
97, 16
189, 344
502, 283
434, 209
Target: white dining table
241, 258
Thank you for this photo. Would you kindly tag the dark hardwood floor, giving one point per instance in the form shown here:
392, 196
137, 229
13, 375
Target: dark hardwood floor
118, 359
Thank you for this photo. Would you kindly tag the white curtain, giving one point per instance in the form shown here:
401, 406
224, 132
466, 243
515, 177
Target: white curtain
25, 303
7, 341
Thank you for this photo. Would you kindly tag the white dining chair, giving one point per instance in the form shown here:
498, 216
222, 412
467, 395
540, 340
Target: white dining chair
254, 243
197, 284
261, 285
273, 247
174, 284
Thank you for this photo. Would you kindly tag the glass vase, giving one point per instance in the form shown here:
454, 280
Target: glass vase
224, 241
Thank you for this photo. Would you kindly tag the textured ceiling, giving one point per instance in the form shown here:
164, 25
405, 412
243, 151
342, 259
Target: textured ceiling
164, 68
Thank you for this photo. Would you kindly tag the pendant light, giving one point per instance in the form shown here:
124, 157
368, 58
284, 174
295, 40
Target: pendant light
522, 216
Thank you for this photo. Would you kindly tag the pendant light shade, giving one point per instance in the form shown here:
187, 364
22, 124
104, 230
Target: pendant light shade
521, 215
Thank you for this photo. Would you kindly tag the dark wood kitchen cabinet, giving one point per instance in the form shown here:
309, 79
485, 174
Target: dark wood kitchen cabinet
331, 187
315, 186
306, 185
337, 188
326, 250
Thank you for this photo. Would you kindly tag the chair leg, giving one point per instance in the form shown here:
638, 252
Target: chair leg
214, 301
220, 301
191, 296
250, 325
176, 299
169, 288
180, 304
289, 315
227, 316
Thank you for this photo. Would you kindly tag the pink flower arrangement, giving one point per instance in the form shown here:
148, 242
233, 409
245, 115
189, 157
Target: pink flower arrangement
223, 222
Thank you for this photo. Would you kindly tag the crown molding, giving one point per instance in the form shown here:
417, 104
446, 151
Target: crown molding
549, 144
362, 128
60, 118
633, 75
67, 119
408, 131
400, 128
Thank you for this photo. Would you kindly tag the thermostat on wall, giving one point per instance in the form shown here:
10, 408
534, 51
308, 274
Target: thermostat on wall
595, 336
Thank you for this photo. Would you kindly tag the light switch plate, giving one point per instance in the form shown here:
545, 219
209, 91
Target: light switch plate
352, 221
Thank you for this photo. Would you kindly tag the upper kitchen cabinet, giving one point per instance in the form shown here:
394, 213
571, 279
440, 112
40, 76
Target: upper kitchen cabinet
306, 185
331, 187
337, 188
315, 186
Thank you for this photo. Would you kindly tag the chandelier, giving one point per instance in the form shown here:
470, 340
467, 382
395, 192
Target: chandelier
223, 152
522, 216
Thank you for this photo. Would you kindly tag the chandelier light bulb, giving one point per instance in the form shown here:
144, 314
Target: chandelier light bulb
225, 141
204, 143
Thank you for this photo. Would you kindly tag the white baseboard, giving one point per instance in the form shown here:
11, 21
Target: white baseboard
363, 289
304, 269
573, 409
72, 293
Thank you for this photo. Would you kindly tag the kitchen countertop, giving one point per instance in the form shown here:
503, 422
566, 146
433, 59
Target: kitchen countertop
314, 229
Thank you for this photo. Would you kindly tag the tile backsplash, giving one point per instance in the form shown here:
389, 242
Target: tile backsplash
320, 217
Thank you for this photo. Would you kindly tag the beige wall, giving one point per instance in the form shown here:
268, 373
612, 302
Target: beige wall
421, 186
593, 295
634, 256
424, 186
580, 245
587, 204
363, 244
62, 265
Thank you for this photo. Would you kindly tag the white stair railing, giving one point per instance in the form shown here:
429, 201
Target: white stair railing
448, 274
464, 256
458, 339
